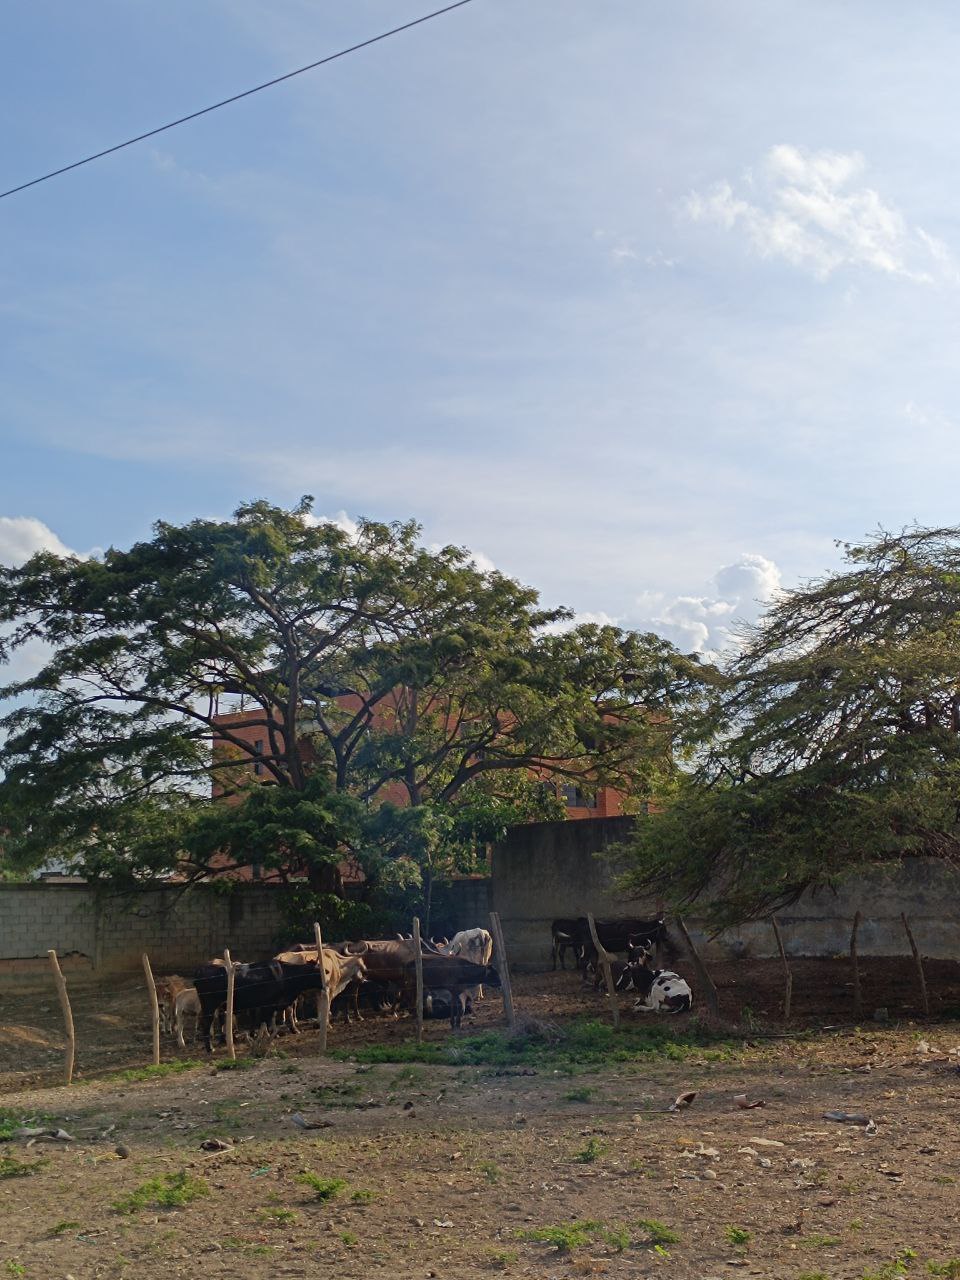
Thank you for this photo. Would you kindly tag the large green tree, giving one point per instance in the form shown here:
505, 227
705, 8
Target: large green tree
834, 739
373, 671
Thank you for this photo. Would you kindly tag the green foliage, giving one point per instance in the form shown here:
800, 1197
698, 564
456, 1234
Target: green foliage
590, 1152
362, 1195
739, 1237
376, 669
61, 1228
490, 1170
583, 1094
832, 742
949, 1268
323, 1188
575, 1046
658, 1232
11, 1167
166, 1191
566, 1238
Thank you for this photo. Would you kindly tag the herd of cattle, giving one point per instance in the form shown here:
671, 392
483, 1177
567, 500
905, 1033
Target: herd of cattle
378, 974
657, 990
381, 975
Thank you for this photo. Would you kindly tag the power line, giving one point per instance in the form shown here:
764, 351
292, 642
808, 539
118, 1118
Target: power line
225, 102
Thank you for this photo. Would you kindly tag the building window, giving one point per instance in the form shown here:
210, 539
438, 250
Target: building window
258, 750
575, 797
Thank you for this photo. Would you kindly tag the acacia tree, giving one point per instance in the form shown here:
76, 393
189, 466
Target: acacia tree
375, 669
834, 739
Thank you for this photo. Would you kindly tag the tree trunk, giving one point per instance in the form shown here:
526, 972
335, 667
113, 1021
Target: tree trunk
427, 901
325, 877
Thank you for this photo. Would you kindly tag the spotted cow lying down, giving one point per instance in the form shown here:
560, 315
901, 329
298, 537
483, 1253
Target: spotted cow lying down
658, 990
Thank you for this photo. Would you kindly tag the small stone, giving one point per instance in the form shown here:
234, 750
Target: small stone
122, 1150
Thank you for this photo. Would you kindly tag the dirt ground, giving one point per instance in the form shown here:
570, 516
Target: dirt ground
451, 1170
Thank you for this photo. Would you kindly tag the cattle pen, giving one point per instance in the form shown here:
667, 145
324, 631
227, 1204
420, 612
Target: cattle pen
548, 1148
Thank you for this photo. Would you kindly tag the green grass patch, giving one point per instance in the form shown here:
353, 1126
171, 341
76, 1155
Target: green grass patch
168, 1191
578, 1095
657, 1232
11, 1121
235, 1064
156, 1071
277, 1217
818, 1241
576, 1045
592, 1150
950, 1268
362, 1195
11, 1167
60, 1228
323, 1188
573, 1235
489, 1170
739, 1237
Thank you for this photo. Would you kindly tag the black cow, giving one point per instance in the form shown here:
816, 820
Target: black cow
618, 936
453, 974
262, 992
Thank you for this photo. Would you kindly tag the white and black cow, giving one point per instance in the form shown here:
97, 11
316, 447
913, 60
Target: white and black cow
658, 990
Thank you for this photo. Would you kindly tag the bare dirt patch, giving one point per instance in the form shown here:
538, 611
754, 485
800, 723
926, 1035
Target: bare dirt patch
450, 1170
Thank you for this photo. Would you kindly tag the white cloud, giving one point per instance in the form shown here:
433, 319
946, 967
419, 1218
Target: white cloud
709, 623
341, 521
23, 536
809, 211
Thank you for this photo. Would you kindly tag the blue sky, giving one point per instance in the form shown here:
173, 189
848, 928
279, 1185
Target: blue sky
645, 303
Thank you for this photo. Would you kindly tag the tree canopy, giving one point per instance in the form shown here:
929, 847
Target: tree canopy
833, 740
378, 673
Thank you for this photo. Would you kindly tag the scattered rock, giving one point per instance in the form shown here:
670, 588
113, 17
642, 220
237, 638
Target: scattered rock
122, 1150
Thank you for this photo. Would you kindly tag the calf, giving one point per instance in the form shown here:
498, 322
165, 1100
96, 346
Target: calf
453, 974
187, 1002
167, 991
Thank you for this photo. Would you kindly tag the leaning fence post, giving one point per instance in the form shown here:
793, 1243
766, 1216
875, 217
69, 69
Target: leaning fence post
418, 970
787, 975
503, 967
855, 965
918, 961
323, 1004
228, 1012
711, 999
67, 1014
154, 1008
603, 959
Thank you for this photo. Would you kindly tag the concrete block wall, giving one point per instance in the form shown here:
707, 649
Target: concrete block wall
96, 933
555, 869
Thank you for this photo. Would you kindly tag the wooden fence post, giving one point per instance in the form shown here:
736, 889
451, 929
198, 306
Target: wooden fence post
918, 961
503, 967
323, 1004
855, 966
228, 1012
154, 1008
787, 975
418, 970
603, 959
67, 1015
710, 997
